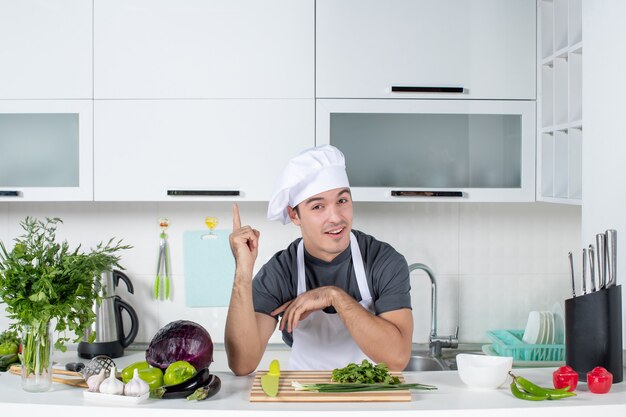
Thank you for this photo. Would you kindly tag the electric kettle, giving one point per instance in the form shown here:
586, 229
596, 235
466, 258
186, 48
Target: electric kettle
110, 337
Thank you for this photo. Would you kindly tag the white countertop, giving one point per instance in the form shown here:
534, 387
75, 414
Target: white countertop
452, 398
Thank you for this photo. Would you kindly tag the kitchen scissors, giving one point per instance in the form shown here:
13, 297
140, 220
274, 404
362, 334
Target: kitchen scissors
163, 264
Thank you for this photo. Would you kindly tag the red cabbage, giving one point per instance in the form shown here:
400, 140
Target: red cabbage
181, 340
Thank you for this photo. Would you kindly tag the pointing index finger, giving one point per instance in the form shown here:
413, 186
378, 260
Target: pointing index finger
236, 219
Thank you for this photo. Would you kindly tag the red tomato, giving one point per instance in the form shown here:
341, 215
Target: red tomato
565, 376
599, 380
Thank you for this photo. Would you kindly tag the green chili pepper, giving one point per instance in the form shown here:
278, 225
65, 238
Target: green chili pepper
524, 389
524, 395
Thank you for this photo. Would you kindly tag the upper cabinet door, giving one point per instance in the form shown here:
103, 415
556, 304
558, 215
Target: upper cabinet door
481, 49
45, 49
196, 150
204, 48
46, 150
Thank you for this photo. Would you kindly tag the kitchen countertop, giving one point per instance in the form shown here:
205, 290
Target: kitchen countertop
452, 398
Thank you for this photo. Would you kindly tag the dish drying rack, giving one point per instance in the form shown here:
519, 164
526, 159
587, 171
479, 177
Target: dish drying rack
510, 343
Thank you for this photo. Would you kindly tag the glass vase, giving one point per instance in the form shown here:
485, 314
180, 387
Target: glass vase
36, 357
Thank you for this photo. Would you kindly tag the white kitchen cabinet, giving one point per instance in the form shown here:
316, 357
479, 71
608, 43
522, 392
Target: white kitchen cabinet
46, 49
204, 49
196, 150
46, 150
483, 48
433, 150
560, 112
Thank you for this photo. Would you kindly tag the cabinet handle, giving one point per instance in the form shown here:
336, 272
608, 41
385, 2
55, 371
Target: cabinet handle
409, 89
214, 193
396, 193
4, 193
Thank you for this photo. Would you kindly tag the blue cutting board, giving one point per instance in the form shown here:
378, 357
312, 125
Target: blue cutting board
209, 268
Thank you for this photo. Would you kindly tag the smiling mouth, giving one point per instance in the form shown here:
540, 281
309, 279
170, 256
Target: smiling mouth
335, 232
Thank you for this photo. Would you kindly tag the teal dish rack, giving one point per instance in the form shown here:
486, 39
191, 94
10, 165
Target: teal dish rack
510, 343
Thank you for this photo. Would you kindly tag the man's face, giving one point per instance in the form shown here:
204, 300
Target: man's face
325, 221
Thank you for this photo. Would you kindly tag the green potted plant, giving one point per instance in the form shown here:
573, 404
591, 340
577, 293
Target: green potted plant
43, 282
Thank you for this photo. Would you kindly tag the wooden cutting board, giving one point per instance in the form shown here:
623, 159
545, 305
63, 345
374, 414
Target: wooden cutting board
286, 393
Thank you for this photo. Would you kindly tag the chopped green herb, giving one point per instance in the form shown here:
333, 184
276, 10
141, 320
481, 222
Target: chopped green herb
366, 373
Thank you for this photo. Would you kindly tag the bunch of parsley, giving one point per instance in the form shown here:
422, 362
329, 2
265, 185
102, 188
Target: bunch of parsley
366, 373
43, 281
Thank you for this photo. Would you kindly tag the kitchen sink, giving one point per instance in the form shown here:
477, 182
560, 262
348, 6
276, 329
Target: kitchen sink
423, 361
426, 363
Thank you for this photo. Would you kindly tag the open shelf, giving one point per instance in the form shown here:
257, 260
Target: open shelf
559, 128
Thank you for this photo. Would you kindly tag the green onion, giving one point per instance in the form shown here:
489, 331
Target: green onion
358, 387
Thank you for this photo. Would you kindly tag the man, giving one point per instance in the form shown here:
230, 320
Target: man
343, 296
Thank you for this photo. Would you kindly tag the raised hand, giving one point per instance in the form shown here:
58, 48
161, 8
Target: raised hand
244, 243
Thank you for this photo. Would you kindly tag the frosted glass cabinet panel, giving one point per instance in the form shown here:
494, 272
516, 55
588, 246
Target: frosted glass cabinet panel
43, 150
46, 150
416, 149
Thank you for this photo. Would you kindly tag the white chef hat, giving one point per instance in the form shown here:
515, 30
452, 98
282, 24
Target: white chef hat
311, 172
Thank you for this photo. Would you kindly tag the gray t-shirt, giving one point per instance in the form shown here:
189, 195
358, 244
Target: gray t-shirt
386, 270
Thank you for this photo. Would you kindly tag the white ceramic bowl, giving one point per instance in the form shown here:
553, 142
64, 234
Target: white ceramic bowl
481, 371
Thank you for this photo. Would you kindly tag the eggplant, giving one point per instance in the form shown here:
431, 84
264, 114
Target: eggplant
211, 388
185, 388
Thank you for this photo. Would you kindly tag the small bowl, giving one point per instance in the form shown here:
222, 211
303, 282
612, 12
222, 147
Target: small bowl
480, 371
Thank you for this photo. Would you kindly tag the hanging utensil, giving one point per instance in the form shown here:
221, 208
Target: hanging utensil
163, 263
584, 274
611, 257
571, 272
592, 269
601, 257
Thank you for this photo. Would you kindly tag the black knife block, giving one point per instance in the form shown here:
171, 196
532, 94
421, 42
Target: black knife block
593, 332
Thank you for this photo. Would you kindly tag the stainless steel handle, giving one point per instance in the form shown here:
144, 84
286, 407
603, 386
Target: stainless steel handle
424, 89
592, 268
571, 272
584, 271
211, 193
611, 256
601, 256
427, 193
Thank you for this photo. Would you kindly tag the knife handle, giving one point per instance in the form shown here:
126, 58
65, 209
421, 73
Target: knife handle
584, 274
611, 256
601, 256
592, 269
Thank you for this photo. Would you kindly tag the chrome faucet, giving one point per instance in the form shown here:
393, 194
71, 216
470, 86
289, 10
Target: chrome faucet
436, 342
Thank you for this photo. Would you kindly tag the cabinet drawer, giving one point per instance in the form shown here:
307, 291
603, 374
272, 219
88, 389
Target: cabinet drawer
440, 150
196, 150
46, 150
204, 49
485, 48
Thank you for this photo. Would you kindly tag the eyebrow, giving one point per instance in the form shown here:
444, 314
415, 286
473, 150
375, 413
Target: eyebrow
339, 194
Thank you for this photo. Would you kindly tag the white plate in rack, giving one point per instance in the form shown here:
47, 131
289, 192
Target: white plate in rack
113, 399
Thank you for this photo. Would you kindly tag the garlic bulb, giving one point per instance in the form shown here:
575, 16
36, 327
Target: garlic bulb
94, 381
136, 387
112, 385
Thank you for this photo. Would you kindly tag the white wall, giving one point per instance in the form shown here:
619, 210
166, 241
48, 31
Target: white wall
604, 143
494, 262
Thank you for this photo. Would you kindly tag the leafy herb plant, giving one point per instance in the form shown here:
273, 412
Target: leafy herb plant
43, 281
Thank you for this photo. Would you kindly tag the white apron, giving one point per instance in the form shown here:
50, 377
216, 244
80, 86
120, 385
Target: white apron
322, 341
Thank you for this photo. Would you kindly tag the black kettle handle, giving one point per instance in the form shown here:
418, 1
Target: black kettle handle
124, 339
117, 275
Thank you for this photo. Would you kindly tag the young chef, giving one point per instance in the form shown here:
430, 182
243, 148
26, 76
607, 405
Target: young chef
343, 296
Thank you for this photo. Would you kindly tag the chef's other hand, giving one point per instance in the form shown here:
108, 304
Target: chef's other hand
244, 243
306, 303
